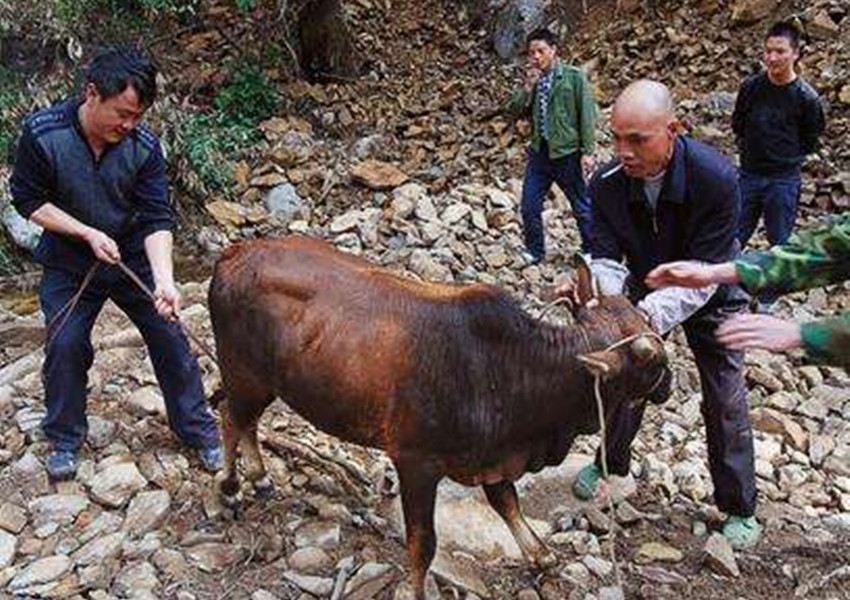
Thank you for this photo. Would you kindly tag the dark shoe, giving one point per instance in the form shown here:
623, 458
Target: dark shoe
62, 464
212, 458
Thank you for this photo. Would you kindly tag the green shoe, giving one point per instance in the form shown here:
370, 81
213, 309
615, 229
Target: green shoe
586, 483
742, 532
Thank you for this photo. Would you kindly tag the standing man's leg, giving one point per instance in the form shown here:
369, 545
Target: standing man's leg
175, 366
727, 422
782, 199
68, 357
535, 185
752, 205
570, 178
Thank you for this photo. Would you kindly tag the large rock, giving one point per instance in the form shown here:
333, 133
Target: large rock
25, 233
56, 508
720, 557
8, 547
378, 175
13, 518
514, 21
100, 549
116, 484
214, 556
147, 511
42, 571
285, 205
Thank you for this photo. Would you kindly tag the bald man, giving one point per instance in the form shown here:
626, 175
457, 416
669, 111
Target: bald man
667, 197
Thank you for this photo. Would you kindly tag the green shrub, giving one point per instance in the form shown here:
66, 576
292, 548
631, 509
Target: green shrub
211, 142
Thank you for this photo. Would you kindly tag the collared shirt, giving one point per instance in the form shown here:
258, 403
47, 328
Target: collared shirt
695, 218
123, 193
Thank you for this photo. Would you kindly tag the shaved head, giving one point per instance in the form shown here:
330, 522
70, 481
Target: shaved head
646, 99
644, 125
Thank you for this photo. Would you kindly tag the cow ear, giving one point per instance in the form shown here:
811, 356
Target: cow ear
585, 284
603, 363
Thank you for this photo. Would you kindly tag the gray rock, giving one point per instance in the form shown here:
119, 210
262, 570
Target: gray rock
29, 477
577, 574
42, 571
317, 586
8, 547
598, 566
213, 557
99, 549
611, 593
369, 580
56, 508
24, 232
263, 595
309, 560
514, 21
136, 579
116, 484
148, 401
147, 511
170, 563
720, 557
285, 205
318, 534
101, 432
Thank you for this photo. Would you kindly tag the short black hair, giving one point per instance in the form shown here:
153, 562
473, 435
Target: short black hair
787, 30
543, 35
113, 69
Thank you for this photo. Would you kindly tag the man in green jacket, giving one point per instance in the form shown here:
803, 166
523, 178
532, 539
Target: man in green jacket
558, 99
812, 258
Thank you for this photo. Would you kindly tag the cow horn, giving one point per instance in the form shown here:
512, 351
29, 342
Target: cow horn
642, 349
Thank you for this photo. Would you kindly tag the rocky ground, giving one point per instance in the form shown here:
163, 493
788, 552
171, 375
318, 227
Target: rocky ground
412, 168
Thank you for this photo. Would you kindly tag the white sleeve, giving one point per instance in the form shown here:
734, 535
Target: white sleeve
670, 306
610, 275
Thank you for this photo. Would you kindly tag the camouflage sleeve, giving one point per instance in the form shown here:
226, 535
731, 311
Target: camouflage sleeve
812, 258
828, 340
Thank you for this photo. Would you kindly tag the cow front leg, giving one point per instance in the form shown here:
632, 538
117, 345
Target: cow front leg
418, 494
503, 498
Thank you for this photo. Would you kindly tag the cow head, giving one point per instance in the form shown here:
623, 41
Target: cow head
632, 362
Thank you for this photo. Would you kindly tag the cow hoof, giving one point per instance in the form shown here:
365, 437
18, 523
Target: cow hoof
264, 488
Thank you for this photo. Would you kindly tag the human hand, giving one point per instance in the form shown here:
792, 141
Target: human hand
759, 331
690, 274
588, 163
167, 300
103, 246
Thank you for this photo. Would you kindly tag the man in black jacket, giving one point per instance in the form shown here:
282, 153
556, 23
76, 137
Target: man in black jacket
94, 178
668, 197
777, 121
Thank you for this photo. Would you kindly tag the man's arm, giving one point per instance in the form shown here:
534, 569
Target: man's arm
812, 124
587, 116
33, 184
739, 114
156, 218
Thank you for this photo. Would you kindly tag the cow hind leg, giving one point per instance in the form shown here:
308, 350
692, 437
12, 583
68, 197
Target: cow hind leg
255, 468
239, 417
418, 495
503, 498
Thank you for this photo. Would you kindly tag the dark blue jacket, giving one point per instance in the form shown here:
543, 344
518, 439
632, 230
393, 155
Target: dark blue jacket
124, 193
696, 217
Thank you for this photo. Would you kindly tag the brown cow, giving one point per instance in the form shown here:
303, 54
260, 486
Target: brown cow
450, 380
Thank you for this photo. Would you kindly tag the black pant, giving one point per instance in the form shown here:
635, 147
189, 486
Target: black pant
724, 409
70, 355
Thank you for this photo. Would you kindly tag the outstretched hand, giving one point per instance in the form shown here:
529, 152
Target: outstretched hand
690, 274
759, 331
